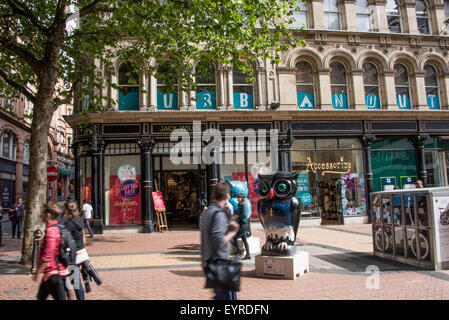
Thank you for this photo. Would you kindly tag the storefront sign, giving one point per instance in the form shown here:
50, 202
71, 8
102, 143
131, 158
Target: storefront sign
158, 201
433, 101
129, 189
126, 172
329, 167
169, 127
206, 100
303, 184
306, 199
340, 101
408, 182
403, 101
372, 101
387, 183
243, 100
305, 100
129, 101
168, 101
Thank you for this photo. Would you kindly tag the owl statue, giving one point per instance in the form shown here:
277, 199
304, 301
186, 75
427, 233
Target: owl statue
279, 212
236, 188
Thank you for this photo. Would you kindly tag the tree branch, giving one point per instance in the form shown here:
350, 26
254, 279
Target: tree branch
17, 86
21, 9
17, 50
90, 7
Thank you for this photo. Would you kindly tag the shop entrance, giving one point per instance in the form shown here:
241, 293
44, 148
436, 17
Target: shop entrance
330, 204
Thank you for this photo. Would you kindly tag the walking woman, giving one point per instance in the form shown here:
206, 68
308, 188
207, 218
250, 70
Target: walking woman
54, 273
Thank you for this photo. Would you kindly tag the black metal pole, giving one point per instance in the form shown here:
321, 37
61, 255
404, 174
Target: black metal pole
366, 142
146, 147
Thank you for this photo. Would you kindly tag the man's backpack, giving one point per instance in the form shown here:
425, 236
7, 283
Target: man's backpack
68, 247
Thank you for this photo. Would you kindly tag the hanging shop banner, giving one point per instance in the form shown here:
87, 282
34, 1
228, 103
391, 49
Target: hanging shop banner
433, 101
206, 100
129, 101
340, 101
441, 218
6, 193
372, 102
353, 194
408, 182
303, 184
124, 201
403, 101
167, 101
305, 100
243, 100
387, 183
158, 201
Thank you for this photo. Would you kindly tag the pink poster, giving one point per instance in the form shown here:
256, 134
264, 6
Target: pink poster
125, 201
252, 195
87, 190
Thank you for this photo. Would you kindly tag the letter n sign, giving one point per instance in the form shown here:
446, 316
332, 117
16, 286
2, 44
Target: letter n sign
305, 100
340, 101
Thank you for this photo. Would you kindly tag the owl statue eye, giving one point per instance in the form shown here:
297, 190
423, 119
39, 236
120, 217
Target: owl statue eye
264, 188
282, 188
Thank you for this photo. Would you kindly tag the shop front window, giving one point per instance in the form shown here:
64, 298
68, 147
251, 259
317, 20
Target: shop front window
431, 81
166, 100
206, 93
122, 186
304, 85
243, 92
371, 83
86, 179
339, 86
402, 83
434, 168
331, 181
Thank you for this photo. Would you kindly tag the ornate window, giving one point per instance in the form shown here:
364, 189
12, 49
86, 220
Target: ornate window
339, 86
393, 16
304, 85
422, 17
371, 83
332, 14
243, 92
301, 16
432, 88
9, 145
128, 81
402, 83
206, 92
165, 100
363, 15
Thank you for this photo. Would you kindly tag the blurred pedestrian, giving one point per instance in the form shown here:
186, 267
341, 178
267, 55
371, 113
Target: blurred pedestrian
244, 228
71, 218
87, 214
16, 215
54, 272
419, 184
216, 234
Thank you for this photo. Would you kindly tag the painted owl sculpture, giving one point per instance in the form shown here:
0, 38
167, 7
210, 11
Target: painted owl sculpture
279, 212
236, 188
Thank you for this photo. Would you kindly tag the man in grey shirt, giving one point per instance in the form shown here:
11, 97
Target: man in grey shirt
217, 232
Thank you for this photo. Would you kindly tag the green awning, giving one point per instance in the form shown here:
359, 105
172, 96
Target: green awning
65, 172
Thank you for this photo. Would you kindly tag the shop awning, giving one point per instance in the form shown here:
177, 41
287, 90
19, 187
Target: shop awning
65, 172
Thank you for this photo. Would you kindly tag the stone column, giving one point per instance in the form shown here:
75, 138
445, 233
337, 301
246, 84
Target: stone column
146, 147
229, 91
359, 89
318, 15
348, 15
260, 72
409, 16
418, 141
325, 89
287, 79
420, 97
379, 15
389, 93
221, 101
143, 95
366, 140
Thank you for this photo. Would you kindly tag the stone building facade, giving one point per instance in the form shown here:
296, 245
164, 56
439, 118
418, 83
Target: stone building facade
362, 106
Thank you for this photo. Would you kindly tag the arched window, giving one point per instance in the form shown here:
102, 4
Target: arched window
206, 92
363, 15
371, 83
394, 16
243, 92
402, 84
128, 81
332, 14
432, 88
166, 100
304, 85
9, 145
422, 17
339, 86
300, 16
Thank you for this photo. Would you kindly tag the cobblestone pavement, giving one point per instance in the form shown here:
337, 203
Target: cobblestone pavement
166, 265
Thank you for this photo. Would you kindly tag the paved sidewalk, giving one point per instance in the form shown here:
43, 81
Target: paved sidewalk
164, 266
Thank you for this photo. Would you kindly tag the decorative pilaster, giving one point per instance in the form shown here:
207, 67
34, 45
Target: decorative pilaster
147, 144
221, 103
260, 72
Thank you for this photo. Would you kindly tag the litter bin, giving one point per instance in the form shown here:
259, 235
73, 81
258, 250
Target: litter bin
412, 226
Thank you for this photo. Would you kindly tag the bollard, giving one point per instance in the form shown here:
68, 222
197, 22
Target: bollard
37, 237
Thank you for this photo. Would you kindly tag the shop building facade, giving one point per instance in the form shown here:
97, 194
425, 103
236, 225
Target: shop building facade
362, 107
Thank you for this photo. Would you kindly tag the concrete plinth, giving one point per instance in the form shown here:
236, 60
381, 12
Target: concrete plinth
253, 243
282, 267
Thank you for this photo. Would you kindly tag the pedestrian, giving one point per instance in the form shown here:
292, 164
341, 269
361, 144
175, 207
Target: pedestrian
216, 234
71, 218
1, 226
244, 228
16, 215
87, 213
54, 272
419, 184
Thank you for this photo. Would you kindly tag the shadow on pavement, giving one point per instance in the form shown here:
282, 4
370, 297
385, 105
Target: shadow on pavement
193, 246
104, 239
12, 267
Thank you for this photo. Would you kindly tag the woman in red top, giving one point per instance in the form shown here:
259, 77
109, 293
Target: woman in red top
54, 273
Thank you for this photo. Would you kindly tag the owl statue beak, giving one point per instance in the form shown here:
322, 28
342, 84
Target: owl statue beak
271, 193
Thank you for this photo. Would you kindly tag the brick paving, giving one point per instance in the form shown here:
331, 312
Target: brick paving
166, 266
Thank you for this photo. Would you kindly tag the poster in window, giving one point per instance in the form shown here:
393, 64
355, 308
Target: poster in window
125, 201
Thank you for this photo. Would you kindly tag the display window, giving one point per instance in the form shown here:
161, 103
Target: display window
331, 182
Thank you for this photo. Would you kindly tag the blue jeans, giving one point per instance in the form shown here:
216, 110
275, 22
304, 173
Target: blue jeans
225, 295
16, 224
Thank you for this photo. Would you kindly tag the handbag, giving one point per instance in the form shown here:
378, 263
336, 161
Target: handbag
223, 274
81, 256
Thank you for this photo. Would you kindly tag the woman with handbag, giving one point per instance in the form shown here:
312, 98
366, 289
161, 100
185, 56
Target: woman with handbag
216, 234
